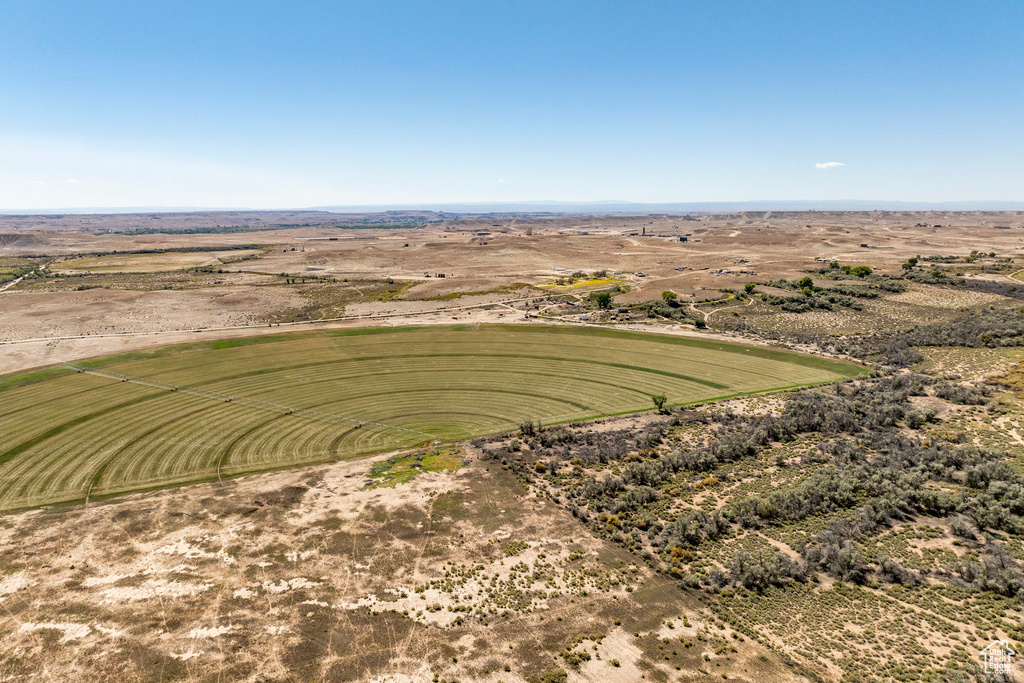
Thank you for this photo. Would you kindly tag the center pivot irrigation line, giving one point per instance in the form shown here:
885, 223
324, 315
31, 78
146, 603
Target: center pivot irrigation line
254, 402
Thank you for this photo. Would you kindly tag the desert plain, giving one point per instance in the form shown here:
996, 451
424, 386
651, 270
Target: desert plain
829, 488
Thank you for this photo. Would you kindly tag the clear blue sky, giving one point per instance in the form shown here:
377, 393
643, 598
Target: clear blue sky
288, 104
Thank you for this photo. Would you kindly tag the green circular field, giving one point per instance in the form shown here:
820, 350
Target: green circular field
198, 411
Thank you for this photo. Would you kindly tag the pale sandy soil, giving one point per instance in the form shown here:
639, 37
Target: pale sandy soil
943, 298
26, 315
309, 575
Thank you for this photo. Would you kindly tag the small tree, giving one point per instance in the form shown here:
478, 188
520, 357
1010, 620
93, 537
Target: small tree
749, 287
601, 299
659, 402
805, 283
669, 296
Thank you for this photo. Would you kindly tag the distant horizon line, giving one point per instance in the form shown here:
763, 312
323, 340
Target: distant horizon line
567, 207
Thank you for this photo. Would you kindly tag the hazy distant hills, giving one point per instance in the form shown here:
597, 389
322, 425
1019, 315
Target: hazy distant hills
562, 207
620, 207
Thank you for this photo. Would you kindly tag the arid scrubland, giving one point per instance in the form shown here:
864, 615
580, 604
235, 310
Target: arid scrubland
866, 528
320, 574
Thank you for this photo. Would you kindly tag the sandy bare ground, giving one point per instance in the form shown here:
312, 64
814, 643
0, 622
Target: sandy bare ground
309, 575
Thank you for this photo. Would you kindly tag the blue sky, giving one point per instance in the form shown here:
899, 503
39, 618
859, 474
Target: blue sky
290, 104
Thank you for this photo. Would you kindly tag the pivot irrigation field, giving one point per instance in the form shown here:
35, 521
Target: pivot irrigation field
201, 411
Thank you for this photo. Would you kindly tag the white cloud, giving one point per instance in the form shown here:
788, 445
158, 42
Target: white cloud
829, 164
74, 182
500, 180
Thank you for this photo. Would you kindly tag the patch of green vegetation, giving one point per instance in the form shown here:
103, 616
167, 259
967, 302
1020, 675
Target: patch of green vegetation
13, 268
556, 675
582, 280
400, 469
515, 547
326, 298
503, 289
13, 381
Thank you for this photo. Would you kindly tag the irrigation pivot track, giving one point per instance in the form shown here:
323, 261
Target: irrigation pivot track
192, 412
